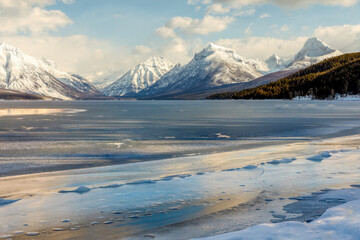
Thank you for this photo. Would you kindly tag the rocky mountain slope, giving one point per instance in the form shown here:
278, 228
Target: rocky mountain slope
337, 75
314, 51
24, 73
212, 67
140, 77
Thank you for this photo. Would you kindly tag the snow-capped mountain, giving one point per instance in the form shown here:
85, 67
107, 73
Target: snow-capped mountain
103, 79
212, 67
276, 63
140, 77
25, 73
314, 51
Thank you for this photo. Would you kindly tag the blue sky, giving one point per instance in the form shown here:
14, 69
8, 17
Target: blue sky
88, 36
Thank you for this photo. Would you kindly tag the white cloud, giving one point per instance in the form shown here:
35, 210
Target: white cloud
141, 50
264, 16
30, 16
208, 24
180, 50
248, 12
75, 53
165, 32
263, 47
284, 28
338, 36
283, 3
345, 3
217, 9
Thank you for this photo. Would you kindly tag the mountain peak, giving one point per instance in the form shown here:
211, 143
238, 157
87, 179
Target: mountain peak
25, 73
314, 47
273, 57
314, 51
315, 40
8, 48
215, 47
153, 61
140, 77
275, 63
212, 47
216, 50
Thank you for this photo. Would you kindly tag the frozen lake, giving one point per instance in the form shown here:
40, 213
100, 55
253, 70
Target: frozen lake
216, 166
43, 136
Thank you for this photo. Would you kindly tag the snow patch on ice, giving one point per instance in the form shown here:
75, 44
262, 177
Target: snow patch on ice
80, 190
220, 135
249, 167
341, 222
115, 185
142, 182
171, 177
118, 145
284, 160
319, 157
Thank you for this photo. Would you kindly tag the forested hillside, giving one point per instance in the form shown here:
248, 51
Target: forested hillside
323, 80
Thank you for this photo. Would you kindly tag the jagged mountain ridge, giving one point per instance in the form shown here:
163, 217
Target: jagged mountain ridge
313, 51
24, 73
140, 77
213, 66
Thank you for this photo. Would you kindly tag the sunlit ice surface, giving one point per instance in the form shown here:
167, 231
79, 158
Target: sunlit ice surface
34, 111
211, 162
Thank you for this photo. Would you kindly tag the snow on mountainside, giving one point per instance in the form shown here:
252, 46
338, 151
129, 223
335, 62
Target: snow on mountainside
24, 73
140, 77
212, 67
276, 63
103, 79
314, 51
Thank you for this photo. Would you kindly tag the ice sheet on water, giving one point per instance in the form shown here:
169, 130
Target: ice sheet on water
319, 157
31, 234
115, 185
7, 201
341, 222
284, 160
142, 182
249, 167
79, 190
171, 177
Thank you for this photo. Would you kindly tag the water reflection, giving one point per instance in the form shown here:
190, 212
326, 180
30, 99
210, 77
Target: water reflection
35, 111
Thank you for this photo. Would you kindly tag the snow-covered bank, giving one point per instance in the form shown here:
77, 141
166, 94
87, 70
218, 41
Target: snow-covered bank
337, 97
347, 97
340, 222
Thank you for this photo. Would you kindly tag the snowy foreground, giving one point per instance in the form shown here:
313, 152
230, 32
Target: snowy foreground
340, 222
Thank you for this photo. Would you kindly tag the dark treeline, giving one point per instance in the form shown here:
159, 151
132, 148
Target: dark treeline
323, 80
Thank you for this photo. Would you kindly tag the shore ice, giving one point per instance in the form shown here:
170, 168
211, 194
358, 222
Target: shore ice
340, 222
